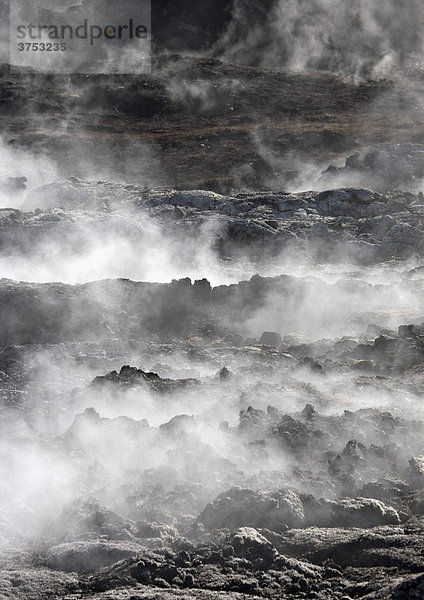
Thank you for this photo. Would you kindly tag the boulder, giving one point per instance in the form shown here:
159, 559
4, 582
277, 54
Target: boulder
270, 338
240, 507
348, 512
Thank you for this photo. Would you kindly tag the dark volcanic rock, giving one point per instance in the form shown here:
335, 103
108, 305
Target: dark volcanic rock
131, 376
349, 512
88, 518
270, 338
379, 547
82, 557
394, 165
246, 508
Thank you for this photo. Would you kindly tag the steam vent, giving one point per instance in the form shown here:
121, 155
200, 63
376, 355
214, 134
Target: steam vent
211, 300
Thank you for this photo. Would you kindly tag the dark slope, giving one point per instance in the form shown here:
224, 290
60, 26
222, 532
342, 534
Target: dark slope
203, 124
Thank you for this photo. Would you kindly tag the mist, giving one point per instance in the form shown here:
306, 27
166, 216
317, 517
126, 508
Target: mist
211, 282
359, 39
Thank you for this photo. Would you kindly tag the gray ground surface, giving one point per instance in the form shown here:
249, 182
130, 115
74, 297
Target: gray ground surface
212, 329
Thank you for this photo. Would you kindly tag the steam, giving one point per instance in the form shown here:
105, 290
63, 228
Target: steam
365, 38
65, 438
93, 253
19, 163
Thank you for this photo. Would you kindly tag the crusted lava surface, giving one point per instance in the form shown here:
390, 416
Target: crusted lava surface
212, 328
192, 440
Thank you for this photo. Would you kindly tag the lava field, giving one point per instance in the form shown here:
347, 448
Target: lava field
212, 318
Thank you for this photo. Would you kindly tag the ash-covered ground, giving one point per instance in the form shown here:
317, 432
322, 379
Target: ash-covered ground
212, 325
